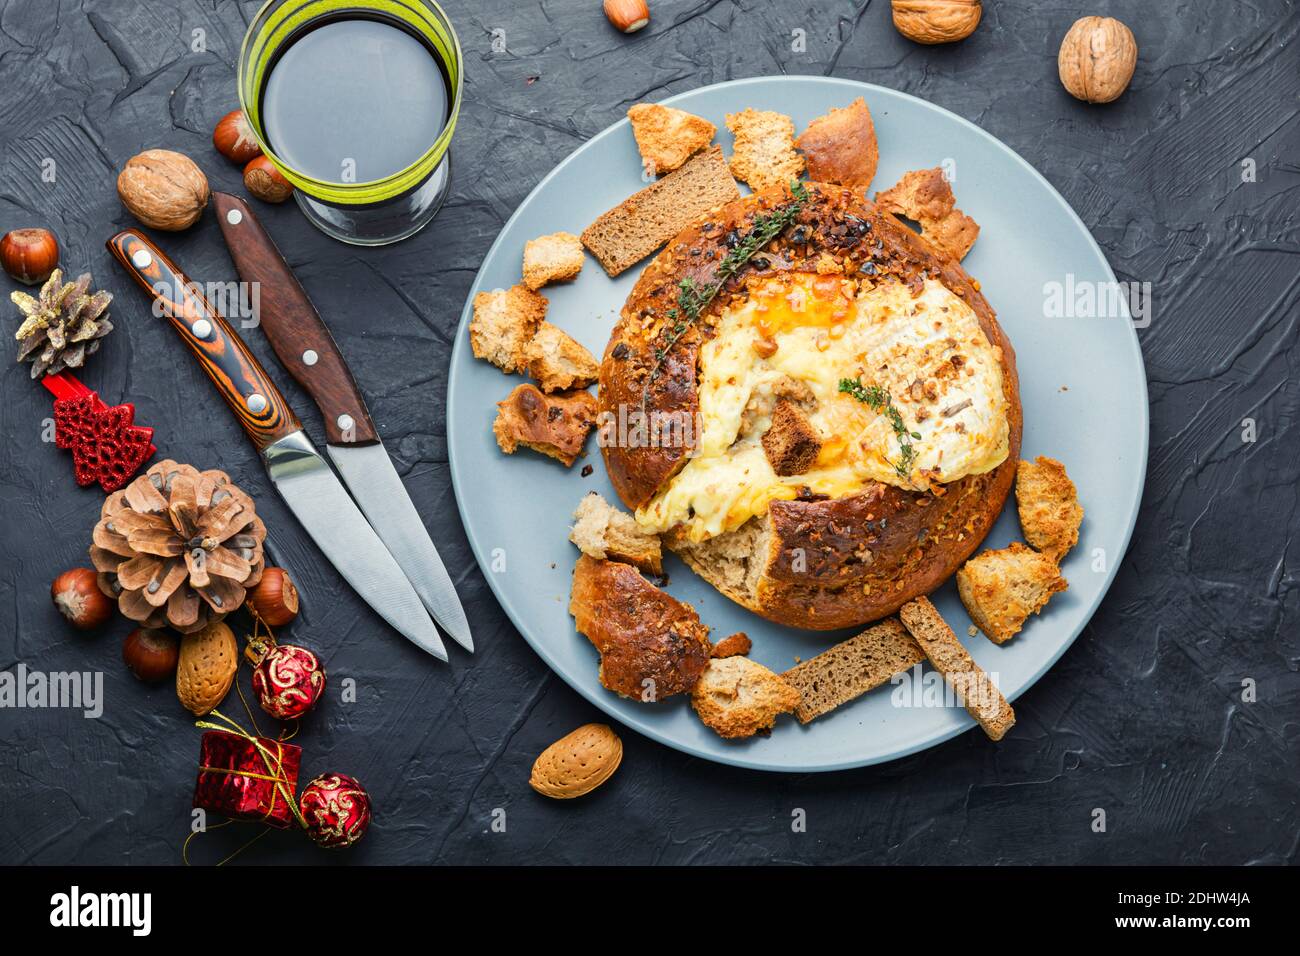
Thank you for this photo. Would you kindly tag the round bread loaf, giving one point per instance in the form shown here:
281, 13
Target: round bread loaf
811, 560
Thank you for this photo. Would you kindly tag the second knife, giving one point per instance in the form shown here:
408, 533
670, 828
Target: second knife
305, 347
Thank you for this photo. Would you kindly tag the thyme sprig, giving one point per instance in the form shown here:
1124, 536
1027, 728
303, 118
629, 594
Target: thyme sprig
877, 397
693, 298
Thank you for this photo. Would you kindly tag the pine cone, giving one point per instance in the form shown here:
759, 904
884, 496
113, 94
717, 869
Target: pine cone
178, 547
64, 324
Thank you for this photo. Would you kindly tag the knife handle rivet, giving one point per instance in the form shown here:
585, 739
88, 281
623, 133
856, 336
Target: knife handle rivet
234, 217
345, 422
310, 357
256, 403
141, 259
202, 329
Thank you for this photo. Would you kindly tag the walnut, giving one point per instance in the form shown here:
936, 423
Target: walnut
936, 21
163, 189
1097, 59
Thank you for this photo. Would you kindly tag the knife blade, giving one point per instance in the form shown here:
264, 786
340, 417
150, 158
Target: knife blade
305, 347
306, 483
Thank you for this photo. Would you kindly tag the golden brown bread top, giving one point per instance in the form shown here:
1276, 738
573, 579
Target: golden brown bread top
642, 378
840, 147
651, 645
555, 425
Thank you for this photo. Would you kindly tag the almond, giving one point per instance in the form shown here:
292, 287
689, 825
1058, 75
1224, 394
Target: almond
577, 764
208, 661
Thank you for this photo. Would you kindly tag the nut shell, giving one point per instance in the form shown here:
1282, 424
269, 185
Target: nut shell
578, 763
29, 255
264, 181
151, 653
163, 189
275, 599
936, 21
1097, 59
208, 662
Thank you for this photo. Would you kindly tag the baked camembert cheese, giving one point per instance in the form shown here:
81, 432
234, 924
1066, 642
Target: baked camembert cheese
799, 336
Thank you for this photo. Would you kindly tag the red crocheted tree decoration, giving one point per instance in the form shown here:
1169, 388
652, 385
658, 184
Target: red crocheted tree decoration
107, 446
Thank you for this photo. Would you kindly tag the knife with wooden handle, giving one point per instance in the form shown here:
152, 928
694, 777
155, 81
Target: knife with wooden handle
305, 347
309, 487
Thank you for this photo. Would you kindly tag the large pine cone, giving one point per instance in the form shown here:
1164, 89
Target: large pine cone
178, 547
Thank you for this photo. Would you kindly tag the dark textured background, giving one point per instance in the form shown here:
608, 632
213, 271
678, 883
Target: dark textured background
1143, 717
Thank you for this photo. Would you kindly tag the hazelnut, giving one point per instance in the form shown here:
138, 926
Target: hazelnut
163, 189
275, 599
29, 255
1097, 59
77, 595
936, 21
234, 139
627, 15
151, 653
264, 181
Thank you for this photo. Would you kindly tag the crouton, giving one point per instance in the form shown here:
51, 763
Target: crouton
504, 321
557, 362
925, 196
555, 425
976, 689
840, 147
1050, 513
603, 532
792, 443
851, 668
1002, 588
737, 697
733, 645
554, 258
667, 137
764, 152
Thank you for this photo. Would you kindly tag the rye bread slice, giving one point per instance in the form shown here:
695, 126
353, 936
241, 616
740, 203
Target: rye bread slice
851, 668
643, 222
978, 693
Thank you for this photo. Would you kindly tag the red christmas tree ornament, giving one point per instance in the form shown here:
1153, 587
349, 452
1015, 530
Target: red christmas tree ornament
107, 446
336, 809
288, 680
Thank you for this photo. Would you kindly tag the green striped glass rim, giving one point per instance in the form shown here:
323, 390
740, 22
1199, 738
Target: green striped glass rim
279, 20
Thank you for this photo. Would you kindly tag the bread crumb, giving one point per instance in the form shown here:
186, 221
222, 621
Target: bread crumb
764, 154
554, 258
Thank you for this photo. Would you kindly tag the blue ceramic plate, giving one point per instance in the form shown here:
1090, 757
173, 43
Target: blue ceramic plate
1081, 383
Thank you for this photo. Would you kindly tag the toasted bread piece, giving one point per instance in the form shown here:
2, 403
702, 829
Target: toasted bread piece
1002, 588
651, 644
851, 668
792, 443
977, 691
504, 321
667, 137
925, 196
557, 361
1050, 513
841, 146
603, 532
555, 425
764, 153
646, 220
554, 258
733, 645
738, 697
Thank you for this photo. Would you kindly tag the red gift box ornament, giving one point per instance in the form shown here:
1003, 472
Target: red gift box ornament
107, 446
247, 778
335, 810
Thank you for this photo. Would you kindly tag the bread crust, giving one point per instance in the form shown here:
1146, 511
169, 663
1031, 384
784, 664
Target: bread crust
651, 645
817, 564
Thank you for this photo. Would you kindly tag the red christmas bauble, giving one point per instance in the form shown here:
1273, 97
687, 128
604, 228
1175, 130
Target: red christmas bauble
337, 810
288, 681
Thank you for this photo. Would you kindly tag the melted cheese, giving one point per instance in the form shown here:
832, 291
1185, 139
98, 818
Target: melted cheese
942, 374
